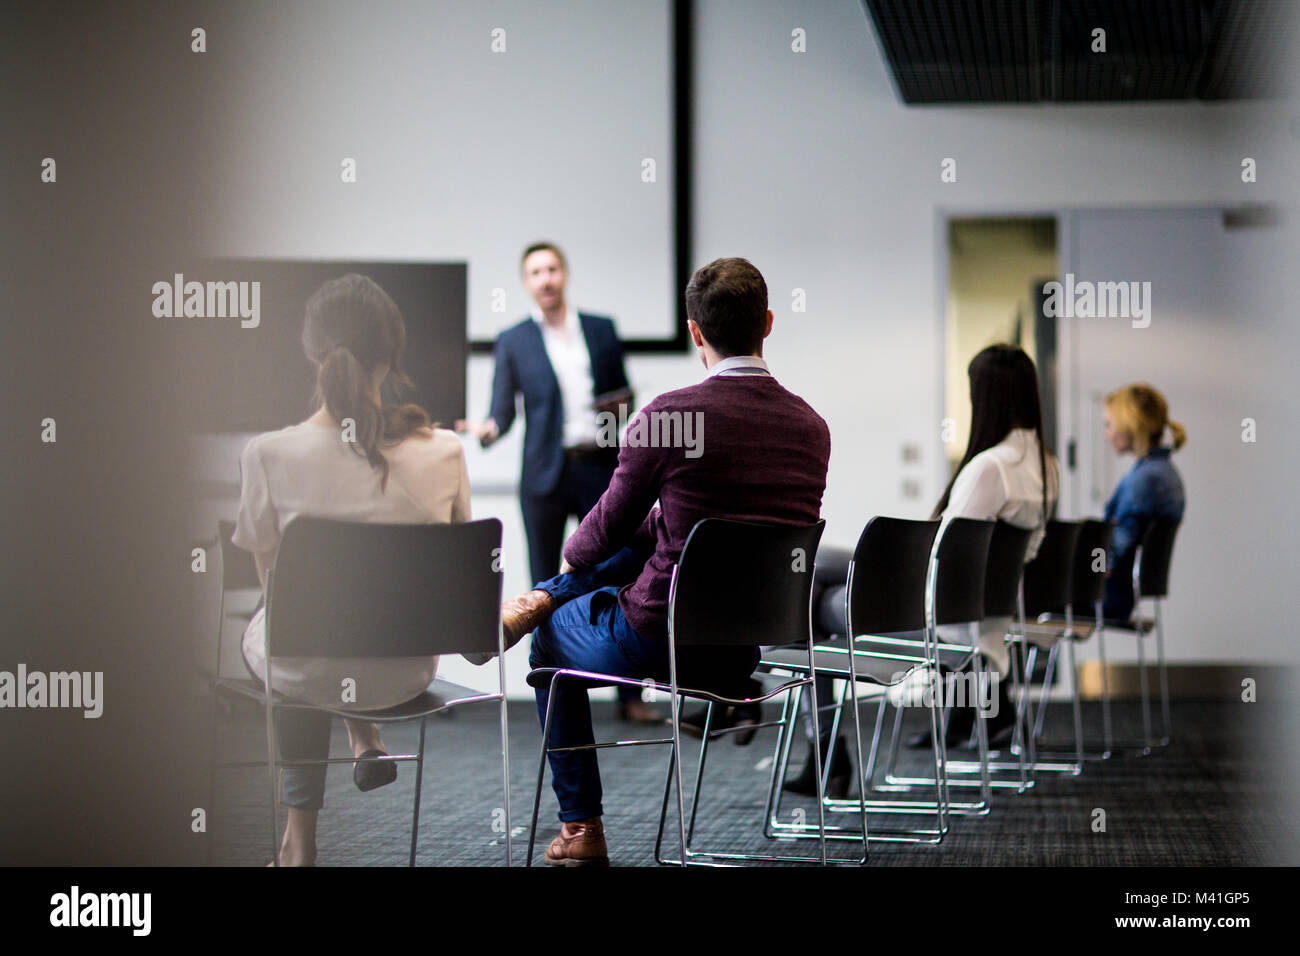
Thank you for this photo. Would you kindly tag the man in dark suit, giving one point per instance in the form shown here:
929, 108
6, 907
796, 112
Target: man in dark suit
569, 367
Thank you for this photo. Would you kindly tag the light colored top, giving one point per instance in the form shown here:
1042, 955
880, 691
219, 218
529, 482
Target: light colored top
1005, 482
566, 347
740, 365
307, 469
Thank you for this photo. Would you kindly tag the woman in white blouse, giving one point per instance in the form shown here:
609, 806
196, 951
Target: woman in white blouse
1006, 473
388, 466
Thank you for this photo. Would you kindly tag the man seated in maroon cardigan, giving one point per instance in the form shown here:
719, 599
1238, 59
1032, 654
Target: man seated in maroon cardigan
745, 449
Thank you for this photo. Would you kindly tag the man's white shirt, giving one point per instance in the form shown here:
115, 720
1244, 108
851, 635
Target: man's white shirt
566, 347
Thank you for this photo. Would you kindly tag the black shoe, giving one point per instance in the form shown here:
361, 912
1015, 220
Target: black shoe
724, 718
837, 785
370, 774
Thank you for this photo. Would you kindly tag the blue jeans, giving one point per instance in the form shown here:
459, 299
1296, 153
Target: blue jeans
300, 735
588, 631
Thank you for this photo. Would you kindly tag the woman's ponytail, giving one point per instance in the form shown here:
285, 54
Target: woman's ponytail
343, 387
352, 329
1179, 434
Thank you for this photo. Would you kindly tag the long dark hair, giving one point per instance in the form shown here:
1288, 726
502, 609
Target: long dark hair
1003, 396
353, 327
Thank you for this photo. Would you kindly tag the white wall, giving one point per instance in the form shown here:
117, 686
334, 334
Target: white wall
808, 165
1221, 346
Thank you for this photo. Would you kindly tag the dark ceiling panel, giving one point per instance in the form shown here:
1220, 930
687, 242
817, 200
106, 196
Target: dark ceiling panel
1024, 51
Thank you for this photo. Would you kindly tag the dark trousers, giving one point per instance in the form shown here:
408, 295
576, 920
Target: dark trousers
581, 484
300, 735
588, 631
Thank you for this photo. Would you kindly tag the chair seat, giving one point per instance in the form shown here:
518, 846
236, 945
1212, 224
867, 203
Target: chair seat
1051, 628
771, 684
1141, 626
440, 695
876, 663
1044, 635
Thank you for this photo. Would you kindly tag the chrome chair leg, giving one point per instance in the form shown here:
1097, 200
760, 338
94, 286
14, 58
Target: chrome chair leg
869, 771
1164, 678
781, 760
1107, 727
1076, 706
677, 749
817, 750
1048, 675
505, 753
541, 767
663, 812
1017, 733
1146, 697
419, 780
699, 771
270, 767
894, 736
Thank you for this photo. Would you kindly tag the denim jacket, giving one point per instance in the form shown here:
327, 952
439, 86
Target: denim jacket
1151, 489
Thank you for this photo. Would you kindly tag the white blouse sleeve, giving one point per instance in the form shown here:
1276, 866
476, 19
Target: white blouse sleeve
257, 528
978, 491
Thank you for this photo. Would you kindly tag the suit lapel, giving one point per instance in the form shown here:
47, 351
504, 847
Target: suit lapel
537, 347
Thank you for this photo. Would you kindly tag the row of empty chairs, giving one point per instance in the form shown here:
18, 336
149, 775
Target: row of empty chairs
344, 589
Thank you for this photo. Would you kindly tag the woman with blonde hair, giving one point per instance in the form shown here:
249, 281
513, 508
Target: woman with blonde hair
1137, 417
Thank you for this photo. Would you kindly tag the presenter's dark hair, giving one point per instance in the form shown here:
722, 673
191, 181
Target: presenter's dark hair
544, 247
1003, 396
727, 299
352, 328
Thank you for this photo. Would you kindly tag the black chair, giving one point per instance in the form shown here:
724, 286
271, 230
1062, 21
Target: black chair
1048, 589
1151, 565
958, 564
356, 590
238, 593
1081, 617
736, 584
1002, 581
886, 594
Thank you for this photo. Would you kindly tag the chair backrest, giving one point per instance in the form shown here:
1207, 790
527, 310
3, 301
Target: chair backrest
1155, 554
960, 557
887, 580
743, 583
351, 589
1090, 557
1005, 566
1049, 578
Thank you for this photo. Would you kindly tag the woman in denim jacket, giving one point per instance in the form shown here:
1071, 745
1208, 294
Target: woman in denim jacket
1136, 419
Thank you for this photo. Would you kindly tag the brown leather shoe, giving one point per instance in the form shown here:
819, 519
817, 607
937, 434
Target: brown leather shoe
525, 613
584, 845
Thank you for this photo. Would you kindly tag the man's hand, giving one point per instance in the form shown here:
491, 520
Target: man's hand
486, 431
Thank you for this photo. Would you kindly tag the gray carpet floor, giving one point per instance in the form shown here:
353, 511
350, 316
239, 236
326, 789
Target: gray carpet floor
1212, 798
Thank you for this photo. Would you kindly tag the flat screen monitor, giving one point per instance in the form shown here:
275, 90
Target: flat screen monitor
252, 378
